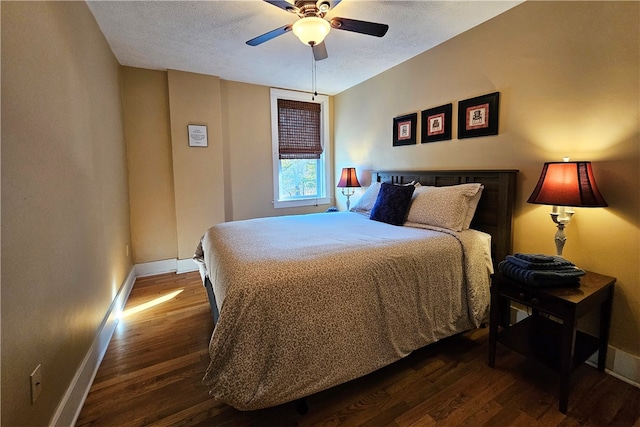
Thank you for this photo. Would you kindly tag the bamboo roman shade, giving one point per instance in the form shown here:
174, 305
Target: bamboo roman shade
299, 130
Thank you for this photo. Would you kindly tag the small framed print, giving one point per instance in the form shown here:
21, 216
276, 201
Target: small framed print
404, 129
478, 116
436, 124
197, 135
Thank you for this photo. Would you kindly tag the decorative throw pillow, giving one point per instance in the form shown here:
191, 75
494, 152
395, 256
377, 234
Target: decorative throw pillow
368, 199
392, 203
445, 207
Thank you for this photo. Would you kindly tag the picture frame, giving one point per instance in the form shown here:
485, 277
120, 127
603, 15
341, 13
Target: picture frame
197, 135
478, 116
404, 129
436, 123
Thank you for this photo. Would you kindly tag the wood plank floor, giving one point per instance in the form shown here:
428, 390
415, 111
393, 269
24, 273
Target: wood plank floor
152, 371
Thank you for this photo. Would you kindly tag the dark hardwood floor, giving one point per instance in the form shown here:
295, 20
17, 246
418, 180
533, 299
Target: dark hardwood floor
152, 371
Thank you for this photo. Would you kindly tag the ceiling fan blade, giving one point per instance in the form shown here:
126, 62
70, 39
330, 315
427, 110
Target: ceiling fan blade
362, 27
282, 4
319, 51
270, 35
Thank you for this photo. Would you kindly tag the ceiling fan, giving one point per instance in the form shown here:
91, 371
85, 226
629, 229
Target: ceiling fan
312, 28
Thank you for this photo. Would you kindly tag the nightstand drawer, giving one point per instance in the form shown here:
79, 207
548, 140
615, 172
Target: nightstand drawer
534, 299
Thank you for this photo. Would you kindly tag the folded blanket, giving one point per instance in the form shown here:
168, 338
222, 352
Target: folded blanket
537, 258
562, 277
540, 262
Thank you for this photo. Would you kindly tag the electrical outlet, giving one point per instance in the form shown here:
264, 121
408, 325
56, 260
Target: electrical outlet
36, 383
126, 249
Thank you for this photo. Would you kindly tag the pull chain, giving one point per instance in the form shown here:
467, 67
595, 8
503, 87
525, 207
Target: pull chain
313, 76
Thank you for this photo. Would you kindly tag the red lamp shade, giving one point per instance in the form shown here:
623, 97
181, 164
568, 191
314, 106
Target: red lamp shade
348, 178
567, 184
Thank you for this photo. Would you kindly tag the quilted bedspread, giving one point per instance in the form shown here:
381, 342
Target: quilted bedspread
311, 301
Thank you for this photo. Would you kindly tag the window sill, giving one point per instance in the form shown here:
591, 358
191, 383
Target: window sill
278, 204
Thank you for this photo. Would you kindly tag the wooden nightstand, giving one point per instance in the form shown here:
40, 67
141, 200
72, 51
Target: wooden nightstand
554, 340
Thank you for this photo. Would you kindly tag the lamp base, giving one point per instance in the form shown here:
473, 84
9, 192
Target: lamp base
561, 216
560, 239
349, 193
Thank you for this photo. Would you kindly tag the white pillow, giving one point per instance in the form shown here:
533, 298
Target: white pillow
471, 209
368, 199
450, 207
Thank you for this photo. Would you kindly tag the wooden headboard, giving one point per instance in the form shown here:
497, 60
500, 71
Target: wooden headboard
494, 214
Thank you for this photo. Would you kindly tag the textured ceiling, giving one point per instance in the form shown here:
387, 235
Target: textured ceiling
208, 37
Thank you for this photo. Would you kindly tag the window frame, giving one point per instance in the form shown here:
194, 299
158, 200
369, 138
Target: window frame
324, 169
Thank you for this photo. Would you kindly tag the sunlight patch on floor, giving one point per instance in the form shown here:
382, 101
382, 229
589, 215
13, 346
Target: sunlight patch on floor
149, 304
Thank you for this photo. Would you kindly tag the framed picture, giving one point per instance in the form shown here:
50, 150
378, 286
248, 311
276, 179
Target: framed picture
478, 116
404, 129
197, 135
436, 123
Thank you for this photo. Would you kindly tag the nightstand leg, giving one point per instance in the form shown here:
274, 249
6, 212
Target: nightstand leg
566, 359
493, 331
605, 323
494, 315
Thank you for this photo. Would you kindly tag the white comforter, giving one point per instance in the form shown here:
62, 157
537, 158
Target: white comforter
311, 301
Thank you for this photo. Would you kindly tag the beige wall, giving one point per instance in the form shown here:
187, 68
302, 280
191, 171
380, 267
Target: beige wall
248, 159
177, 191
247, 135
197, 171
568, 77
65, 213
145, 100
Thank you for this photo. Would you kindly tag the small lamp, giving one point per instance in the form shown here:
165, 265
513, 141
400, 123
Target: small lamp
348, 180
563, 185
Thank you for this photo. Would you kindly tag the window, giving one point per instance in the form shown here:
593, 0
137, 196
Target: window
301, 149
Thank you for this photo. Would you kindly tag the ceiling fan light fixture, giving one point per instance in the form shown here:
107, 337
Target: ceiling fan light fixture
311, 30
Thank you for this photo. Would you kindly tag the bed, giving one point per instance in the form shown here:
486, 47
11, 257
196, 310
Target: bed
305, 302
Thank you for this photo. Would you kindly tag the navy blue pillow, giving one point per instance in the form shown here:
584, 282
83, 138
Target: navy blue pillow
392, 203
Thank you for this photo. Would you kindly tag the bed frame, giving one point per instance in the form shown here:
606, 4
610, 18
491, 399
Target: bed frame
494, 214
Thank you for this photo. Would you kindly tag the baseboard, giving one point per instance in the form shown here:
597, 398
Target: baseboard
186, 265
69, 408
621, 365
166, 266
156, 267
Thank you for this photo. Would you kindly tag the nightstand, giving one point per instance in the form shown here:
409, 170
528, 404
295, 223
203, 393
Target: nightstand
550, 333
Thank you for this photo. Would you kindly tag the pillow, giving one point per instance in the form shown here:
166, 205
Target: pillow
471, 208
446, 207
367, 200
392, 203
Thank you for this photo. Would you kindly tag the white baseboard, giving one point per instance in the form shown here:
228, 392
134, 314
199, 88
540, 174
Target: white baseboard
621, 365
166, 266
186, 265
69, 408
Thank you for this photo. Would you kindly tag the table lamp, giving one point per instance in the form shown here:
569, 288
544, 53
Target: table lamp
565, 185
348, 181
